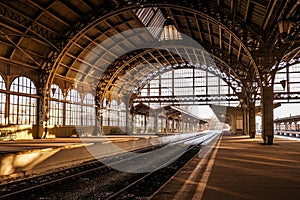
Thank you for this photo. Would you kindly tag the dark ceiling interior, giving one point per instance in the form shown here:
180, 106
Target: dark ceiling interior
92, 41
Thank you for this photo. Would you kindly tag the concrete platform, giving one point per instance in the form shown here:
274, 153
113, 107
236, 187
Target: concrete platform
24, 157
16, 146
240, 168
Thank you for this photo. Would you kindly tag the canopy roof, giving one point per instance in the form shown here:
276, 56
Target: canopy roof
95, 42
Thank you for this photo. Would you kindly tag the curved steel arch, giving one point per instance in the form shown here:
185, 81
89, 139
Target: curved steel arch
129, 62
228, 80
120, 65
75, 35
63, 40
60, 38
232, 31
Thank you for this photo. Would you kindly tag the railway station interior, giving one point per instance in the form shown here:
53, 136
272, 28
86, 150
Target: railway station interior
95, 69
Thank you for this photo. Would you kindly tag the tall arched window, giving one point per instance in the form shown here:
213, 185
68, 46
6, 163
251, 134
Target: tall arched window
73, 108
122, 114
286, 90
188, 82
56, 106
291, 78
23, 106
2, 101
113, 113
88, 110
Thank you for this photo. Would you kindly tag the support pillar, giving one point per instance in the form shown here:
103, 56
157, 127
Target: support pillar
100, 119
267, 114
128, 130
245, 120
252, 124
41, 128
233, 123
155, 122
132, 123
145, 123
173, 125
167, 124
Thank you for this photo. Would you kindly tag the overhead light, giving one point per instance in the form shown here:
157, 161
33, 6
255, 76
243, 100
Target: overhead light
169, 31
284, 26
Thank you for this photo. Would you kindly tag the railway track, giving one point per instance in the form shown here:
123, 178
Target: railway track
109, 183
33, 182
149, 183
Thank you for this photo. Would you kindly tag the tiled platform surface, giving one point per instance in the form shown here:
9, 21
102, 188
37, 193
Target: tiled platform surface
243, 168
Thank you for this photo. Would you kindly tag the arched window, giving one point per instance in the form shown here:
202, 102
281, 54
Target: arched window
23, 106
113, 113
288, 79
139, 123
56, 106
188, 82
73, 108
88, 110
2, 101
122, 114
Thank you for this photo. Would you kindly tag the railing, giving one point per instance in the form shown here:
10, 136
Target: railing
197, 99
288, 133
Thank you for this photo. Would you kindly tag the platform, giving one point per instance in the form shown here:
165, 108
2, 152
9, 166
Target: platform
25, 157
16, 146
240, 168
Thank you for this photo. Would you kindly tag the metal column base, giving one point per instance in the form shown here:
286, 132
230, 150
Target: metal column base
270, 140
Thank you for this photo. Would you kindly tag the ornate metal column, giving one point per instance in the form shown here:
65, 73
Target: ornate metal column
167, 124
245, 118
252, 124
41, 128
99, 114
128, 118
267, 114
145, 123
130, 126
251, 94
155, 122
233, 122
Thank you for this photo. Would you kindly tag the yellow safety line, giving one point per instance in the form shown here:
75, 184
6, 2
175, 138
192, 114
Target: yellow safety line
189, 181
202, 184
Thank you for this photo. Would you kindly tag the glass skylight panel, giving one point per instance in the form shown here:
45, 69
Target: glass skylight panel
156, 24
152, 18
145, 15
